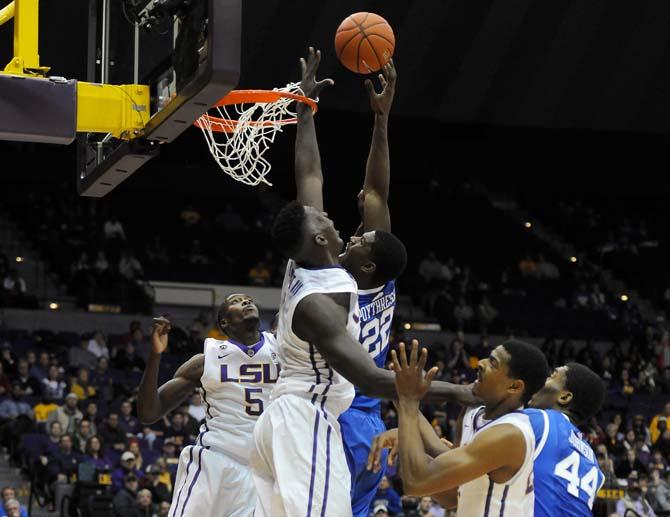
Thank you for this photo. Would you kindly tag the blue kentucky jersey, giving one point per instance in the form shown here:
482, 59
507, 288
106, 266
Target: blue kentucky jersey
566, 472
376, 311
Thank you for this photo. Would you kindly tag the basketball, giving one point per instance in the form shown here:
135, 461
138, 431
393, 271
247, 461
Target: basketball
364, 42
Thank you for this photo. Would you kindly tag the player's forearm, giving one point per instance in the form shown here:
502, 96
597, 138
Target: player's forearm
448, 392
413, 460
431, 443
148, 400
378, 169
308, 175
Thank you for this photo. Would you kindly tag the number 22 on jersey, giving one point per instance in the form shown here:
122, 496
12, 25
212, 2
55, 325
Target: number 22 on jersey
375, 333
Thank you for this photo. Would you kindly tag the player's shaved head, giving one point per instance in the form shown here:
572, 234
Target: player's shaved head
288, 229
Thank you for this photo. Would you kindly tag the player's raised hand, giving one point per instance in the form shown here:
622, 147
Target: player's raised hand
308, 84
386, 440
381, 102
411, 381
159, 334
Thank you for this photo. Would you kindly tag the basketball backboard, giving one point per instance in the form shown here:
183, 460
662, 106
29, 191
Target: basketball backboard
187, 51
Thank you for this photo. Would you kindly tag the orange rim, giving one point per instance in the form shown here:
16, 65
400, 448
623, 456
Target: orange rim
224, 125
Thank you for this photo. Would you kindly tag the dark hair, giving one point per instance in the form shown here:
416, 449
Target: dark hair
588, 390
287, 231
389, 255
528, 363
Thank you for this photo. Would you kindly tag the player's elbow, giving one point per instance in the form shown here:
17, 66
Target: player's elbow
412, 488
146, 416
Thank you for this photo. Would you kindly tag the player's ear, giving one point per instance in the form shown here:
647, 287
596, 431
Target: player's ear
320, 239
369, 267
517, 387
565, 398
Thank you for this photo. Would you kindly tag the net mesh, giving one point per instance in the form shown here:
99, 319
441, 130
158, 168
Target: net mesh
244, 132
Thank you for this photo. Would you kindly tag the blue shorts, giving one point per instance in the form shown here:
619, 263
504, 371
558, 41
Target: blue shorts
358, 430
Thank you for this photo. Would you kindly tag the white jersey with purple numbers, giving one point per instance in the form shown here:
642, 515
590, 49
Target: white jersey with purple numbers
236, 383
482, 497
305, 372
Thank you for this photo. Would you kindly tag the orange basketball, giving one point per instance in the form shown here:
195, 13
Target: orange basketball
364, 42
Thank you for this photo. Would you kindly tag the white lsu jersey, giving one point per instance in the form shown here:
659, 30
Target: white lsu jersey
305, 373
236, 383
483, 497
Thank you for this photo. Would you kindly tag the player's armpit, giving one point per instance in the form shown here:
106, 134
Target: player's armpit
192, 369
448, 499
498, 451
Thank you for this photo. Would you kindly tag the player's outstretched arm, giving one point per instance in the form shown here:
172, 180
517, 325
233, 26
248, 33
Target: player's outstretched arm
154, 402
308, 175
493, 449
376, 214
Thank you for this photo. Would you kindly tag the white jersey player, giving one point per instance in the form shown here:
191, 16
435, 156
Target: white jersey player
236, 376
491, 473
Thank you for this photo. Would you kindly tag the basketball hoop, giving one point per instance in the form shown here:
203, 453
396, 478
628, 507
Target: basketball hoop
240, 128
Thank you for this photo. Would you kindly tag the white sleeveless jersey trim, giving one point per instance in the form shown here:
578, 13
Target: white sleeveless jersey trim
236, 382
483, 497
545, 435
305, 372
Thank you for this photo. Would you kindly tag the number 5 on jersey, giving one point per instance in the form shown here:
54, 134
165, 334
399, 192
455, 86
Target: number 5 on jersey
254, 406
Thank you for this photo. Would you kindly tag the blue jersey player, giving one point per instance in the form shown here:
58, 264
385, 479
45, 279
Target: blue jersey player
376, 297
566, 472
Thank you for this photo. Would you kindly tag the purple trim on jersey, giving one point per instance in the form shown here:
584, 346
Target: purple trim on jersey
314, 448
195, 478
204, 398
504, 498
325, 490
488, 499
202, 434
317, 268
477, 415
314, 397
188, 467
246, 348
314, 366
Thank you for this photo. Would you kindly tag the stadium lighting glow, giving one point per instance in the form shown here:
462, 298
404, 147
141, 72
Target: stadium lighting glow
624, 297
408, 326
53, 306
528, 224
573, 259
19, 259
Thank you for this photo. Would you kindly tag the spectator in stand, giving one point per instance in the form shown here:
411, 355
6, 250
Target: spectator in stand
5, 383
134, 447
124, 503
640, 428
127, 467
13, 406
189, 216
163, 473
643, 452
661, 491
581, 298
486, 314
141, 343
94, 453
145, 506
463, 314
130, 267
163, 509
430, 268
128, 359
547, 270
634, 501
662, 350
12, 508
260, 275
112, 434
597, 299
9, 494
62, 464
43, 409
458, 358
67, 415
30, 385
528, 267
113, 229
98, 346
380, 510
663, 442
426, 508
15, 284
82, 265
101, 263
177, 431
41, 369
7, 359
614, 444
654, 429
606, 465
101, 379
81, 356
387, 496
80, 438
191, 425
151, 481
657, 462
53, 386
81, 386
127, 422
55, 432
630, 466
196, 409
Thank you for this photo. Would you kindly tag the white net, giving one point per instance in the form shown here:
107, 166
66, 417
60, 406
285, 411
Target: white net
240, 151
